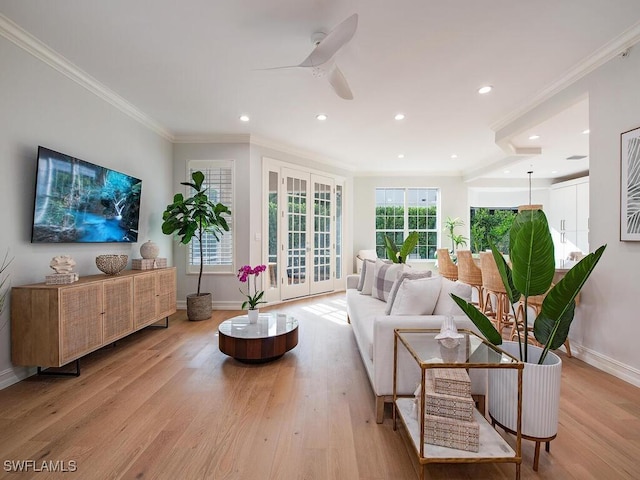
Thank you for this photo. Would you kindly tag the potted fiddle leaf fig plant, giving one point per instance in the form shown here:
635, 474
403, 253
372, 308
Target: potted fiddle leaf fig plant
191, 217
531, 273
399, 255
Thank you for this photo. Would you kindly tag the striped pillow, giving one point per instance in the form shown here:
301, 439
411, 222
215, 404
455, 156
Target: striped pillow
363, 273
384, 277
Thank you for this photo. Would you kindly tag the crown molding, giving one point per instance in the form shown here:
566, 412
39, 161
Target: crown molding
480, 172
23, 39
261, 142
214, 138
409, 173
602, 55
299, 152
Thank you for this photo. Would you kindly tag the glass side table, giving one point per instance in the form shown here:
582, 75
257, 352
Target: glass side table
469, 352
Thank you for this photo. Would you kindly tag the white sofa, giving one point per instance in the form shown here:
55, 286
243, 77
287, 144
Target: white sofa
374, 333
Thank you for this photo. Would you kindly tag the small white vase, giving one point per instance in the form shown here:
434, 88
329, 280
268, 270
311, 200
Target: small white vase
253, 315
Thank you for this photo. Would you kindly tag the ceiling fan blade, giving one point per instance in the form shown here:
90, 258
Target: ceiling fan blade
330, 44
339, 84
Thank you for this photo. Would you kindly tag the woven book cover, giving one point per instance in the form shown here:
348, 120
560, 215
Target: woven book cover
451, 433
450, 406
61, 278
148, 263
450, 381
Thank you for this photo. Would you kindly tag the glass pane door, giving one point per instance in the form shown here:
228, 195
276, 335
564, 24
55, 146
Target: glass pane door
322, 234
296, 248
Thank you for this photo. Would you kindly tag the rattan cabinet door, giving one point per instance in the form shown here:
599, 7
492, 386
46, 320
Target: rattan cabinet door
80, 321
144, 294
166, 292
118, 308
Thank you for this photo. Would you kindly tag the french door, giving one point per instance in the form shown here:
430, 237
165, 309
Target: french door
307, 221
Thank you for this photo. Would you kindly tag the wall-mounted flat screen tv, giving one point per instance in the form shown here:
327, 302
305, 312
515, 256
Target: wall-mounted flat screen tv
77, 201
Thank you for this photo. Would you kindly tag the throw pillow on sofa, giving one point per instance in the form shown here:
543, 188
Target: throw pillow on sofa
384, 277
417, 297
396, 285
445, 304
363, 273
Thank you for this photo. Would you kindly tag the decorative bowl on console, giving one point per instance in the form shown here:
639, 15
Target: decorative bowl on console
111, 264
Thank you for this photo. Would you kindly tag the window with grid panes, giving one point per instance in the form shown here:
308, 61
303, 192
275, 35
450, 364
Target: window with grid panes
218, 255
400, 211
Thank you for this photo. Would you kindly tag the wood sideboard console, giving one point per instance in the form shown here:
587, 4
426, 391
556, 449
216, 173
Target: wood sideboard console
53, 325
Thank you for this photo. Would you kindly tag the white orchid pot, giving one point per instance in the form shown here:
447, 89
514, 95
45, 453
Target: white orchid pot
540, 393
253, 314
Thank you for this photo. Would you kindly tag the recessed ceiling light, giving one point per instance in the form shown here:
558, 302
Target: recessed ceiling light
506, 171
554, 171
244, 118
401, 155
585, 132
534, 137
399, 116
485, 89
321, 116
454, 156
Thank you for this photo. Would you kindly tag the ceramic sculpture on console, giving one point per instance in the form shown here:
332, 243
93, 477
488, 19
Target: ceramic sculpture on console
111, 264
149, 250
62, 264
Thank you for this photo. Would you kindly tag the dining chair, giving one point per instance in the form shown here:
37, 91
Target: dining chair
534, 305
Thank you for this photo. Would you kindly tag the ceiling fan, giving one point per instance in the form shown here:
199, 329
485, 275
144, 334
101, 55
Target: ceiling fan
321, 61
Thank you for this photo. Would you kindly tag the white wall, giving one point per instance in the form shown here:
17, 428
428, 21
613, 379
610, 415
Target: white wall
608, 328
40, 106
507, 197
605, 330
453, 203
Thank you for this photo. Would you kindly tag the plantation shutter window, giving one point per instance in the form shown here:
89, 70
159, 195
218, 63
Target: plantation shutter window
217, 255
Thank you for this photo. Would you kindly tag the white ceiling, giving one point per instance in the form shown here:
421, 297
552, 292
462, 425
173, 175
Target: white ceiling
194, 67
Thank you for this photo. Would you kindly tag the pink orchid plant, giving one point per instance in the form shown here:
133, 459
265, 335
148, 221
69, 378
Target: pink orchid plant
243, 275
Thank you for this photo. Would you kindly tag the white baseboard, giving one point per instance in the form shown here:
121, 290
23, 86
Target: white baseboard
182, 305
607, 364
14, 375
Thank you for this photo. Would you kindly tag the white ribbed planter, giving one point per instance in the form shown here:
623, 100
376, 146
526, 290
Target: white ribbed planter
540, 393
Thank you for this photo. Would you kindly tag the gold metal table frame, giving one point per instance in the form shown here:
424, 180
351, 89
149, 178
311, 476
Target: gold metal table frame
475, 353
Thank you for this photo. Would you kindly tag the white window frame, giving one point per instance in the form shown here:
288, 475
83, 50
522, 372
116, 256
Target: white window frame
192, 269
406, 229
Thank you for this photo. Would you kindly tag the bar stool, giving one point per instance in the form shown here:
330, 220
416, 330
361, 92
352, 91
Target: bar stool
446, 267
470, 273
535, 304
494, 292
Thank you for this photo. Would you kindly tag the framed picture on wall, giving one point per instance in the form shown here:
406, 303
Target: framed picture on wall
630, 185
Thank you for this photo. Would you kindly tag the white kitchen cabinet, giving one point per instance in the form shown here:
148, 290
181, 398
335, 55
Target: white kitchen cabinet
568, 216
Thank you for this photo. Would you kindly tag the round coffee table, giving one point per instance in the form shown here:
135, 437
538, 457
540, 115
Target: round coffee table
269, 338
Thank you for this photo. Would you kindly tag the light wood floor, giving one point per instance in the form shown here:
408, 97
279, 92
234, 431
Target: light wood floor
167, 404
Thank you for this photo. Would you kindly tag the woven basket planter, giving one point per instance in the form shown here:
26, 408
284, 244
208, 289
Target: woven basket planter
199, 307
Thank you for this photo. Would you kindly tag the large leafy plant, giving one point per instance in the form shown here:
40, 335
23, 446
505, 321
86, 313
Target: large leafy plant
531, 273
399, 255
195, 216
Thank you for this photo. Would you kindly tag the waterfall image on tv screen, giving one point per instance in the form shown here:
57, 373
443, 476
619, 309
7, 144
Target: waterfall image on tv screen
77, 201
